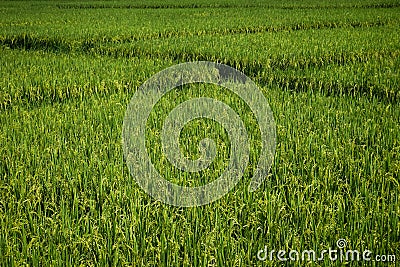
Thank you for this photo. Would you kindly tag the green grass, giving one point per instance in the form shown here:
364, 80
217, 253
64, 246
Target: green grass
329, 70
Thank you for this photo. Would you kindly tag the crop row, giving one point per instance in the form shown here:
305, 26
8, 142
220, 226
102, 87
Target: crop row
32, 79
344, 63
128, 25
36, 77
155, 4
269, 52
217, 5
29, 41
286, 58
66, 196
284, 50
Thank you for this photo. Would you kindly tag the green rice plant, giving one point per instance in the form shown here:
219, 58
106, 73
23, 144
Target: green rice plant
67, 197
339, 61
329, 70
82, 25
36, 77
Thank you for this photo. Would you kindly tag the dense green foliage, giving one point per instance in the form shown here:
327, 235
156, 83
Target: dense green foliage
329, 69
